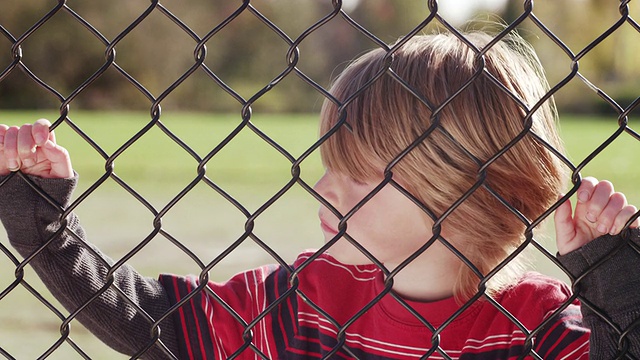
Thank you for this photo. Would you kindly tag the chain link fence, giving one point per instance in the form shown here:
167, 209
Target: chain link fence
34, 325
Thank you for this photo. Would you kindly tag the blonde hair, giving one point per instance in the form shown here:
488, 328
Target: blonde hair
375, 118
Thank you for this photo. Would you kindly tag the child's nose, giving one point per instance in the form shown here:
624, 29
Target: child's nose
320, 186
325, 189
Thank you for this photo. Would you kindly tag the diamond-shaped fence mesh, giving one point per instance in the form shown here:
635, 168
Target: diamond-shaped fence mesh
187, 123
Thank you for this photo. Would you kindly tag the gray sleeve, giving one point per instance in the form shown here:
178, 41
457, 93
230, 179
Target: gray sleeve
607, 278
75, 271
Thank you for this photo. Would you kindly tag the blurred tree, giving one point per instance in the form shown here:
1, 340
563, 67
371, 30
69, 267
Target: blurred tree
247, 54
611, 65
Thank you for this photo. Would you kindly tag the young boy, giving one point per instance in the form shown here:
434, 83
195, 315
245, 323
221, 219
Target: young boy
423, 148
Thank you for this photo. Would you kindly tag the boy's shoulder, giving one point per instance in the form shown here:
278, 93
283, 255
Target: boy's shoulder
537, 286
535, 296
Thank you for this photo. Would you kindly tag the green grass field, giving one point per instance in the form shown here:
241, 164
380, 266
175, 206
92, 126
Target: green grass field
248, 169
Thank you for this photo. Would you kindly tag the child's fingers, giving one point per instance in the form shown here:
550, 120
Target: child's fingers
563, 213
621, 219
610, 213
587, 185
3, 163
26, 146
598, 201
565, 227
11, 148
40, 132
32, 149
54, 152
60, 160
3, 131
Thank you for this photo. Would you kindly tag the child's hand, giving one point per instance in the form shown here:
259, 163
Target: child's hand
599, 210
32, 149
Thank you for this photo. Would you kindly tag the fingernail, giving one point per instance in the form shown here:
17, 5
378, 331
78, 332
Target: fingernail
13, 165
583, 196
592, 218
602, 229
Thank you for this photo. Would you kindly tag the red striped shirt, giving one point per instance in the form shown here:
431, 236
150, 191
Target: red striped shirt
264, 313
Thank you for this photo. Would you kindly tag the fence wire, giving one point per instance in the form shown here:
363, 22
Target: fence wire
64, 343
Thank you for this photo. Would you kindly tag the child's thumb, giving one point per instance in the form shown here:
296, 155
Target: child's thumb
59, 159
565, 226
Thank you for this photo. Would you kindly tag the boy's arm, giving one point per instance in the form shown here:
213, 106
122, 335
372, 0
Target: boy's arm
72, 269
605, 265
611, 284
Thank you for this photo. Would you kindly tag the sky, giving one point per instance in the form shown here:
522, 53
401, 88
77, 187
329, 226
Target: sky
454, 11
459, 11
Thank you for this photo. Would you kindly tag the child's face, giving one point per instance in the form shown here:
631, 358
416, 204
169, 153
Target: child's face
389, 225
